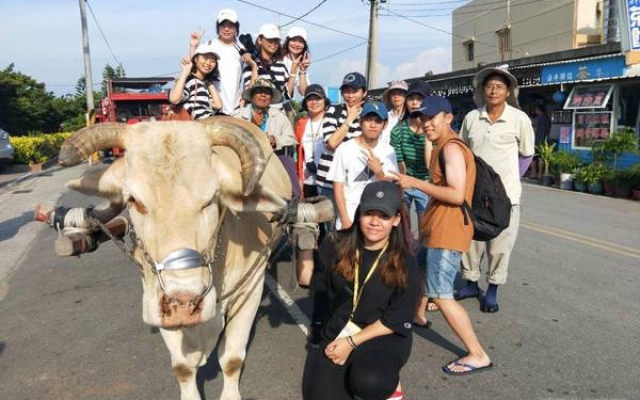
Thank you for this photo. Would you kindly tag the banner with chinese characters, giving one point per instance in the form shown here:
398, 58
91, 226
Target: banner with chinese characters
591, 126
584, 70
633, 19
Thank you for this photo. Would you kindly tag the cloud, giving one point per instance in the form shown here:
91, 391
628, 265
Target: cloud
437, 60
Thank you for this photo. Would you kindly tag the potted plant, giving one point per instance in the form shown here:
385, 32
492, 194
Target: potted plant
545, 152
592, 175
579, 181
635, 179
618, 143
563, 164
622, 184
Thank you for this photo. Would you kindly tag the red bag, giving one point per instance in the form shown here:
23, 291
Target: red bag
176, 113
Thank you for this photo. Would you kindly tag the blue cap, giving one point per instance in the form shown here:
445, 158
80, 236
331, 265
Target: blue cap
433, 105
374, 108
355, 80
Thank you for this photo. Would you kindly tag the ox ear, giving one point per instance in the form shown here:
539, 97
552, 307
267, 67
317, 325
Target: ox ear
103, 181
261, 199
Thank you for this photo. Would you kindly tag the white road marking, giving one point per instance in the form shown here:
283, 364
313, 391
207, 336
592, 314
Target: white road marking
292, 308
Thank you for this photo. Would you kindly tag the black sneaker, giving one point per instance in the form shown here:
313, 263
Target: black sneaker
315, 337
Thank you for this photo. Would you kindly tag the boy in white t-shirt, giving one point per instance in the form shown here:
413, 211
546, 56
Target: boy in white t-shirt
360, 161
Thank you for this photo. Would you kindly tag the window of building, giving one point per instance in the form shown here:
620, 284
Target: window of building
504, 43
469, 50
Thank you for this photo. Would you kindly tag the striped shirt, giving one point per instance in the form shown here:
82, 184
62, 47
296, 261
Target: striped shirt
195, 98
409, 148
333, 119
279, 79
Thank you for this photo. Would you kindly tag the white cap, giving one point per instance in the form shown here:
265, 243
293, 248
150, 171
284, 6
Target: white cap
206, 48
269, 31
227, 14
297, 31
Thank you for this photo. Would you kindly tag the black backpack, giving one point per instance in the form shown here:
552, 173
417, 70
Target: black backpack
490, 209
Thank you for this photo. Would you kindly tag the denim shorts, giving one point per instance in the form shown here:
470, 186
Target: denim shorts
442, 267
418, 197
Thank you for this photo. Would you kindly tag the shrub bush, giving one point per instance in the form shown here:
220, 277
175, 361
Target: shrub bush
38, 148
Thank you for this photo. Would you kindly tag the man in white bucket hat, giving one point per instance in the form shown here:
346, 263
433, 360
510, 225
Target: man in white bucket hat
503, 136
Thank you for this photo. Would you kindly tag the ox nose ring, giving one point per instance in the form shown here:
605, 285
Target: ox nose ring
181, 259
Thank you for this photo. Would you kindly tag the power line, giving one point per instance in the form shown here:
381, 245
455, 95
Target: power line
305, 14
337, 53
438, 29
468, 9
303, 20
393, 4
102, 33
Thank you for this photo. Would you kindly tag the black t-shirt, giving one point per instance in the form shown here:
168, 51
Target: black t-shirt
394, 307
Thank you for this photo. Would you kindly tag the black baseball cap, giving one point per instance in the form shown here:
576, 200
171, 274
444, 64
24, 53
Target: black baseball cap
383, 196
355, 80
433, 105
419, 87
314, 90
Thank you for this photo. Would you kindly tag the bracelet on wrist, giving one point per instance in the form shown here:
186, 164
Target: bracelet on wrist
352, 343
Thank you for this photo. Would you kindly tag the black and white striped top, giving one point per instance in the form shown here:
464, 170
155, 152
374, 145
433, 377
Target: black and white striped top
333, 118
196, 99
280, 76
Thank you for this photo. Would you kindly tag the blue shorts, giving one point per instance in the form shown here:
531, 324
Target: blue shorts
418, 197
442, 267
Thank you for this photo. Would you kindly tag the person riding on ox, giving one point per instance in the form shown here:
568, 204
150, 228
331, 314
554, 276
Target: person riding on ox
259, 110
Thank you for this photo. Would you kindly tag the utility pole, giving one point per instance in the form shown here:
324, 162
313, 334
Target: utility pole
88, 80
372, 48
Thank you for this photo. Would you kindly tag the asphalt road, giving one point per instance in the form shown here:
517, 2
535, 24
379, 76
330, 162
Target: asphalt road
568, 326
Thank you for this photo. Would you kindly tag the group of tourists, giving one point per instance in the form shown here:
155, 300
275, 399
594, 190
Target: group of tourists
371, 279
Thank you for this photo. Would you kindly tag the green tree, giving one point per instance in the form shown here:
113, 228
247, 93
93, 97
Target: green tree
26, 106
109, 73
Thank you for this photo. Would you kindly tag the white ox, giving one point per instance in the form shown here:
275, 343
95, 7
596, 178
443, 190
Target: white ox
196, 193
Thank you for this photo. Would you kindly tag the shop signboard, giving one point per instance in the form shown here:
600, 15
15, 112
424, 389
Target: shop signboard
588, 96
584, 70
633, 20
591, 126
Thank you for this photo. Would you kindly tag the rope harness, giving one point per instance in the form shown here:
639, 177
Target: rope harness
185, 258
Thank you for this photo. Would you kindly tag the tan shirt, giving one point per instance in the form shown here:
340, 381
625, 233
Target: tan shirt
501, 143
443, 226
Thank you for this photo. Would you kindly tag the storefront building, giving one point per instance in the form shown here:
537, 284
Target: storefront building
589, 93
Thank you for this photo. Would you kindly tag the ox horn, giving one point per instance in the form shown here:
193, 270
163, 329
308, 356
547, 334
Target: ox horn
87, 141
229, 134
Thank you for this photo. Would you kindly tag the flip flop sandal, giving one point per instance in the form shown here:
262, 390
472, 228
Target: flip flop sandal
470, 369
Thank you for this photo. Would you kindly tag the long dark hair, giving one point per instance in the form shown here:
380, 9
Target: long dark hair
284, 49
275, 57
211, 76
392, 269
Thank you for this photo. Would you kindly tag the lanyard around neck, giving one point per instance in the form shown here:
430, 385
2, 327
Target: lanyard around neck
357, 293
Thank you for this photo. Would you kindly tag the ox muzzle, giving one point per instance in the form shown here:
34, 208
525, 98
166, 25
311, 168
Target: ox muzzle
181, 309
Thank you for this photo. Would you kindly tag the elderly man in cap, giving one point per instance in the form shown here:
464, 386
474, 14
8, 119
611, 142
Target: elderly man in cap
259, 110
503, 136
361, 161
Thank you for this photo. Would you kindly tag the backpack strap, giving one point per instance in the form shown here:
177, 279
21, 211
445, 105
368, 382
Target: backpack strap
465, 207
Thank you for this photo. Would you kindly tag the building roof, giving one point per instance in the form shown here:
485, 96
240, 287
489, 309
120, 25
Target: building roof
527, 68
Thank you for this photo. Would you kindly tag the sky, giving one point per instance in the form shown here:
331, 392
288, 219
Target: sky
43, 38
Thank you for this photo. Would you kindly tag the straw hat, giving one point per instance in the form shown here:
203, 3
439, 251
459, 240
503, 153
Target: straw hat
502, 70
276, 96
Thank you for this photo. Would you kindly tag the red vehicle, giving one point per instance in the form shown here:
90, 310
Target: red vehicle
133, 100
